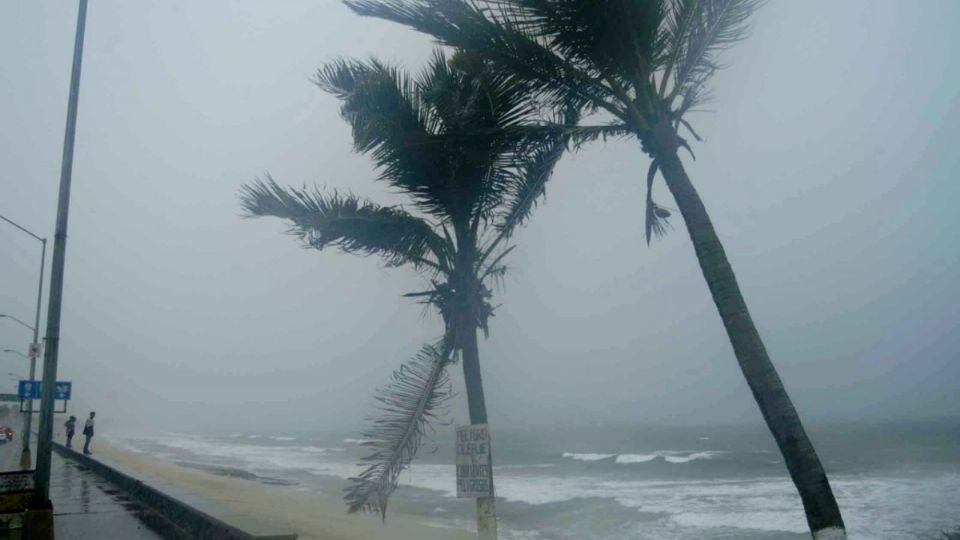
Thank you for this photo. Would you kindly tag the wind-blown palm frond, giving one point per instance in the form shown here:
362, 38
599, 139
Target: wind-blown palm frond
703, 29
354, 225
474, 26
609, 55
602, 54
603, 37
530, 185
408, 404
447, 137
390, 121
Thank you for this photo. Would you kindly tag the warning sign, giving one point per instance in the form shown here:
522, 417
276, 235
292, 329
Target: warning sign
12, 482
474, 478
16, 490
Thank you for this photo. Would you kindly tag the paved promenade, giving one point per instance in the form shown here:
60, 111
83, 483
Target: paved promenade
85, 506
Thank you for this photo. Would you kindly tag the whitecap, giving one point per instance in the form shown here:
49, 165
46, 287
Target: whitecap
635, 458
587, 457
360, 441
687, 459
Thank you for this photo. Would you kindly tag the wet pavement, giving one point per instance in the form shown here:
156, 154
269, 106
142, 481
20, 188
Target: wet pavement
10, 450
86, 506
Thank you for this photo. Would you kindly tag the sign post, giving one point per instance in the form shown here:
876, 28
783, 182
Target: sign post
30, 390
474, 478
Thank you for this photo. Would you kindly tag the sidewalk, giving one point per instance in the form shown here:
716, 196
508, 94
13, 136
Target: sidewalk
85, 506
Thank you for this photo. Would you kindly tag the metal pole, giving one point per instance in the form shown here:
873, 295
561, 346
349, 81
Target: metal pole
45, 437
25, 458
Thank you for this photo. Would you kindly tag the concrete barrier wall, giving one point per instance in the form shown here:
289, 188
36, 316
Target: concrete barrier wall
201, 525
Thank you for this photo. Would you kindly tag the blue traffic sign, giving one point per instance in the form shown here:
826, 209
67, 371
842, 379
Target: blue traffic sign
31, 390
62, 390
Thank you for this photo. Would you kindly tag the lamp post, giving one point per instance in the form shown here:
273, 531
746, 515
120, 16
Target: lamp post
18, 321
16, 352
25, 459
42, 521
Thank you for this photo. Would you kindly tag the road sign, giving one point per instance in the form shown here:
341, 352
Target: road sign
31, 390
62, 390
34, 350
9, 397
473, 461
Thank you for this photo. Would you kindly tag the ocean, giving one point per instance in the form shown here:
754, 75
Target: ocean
893, 481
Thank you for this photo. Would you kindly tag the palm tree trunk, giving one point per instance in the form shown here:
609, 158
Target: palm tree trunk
486, 506
823, 514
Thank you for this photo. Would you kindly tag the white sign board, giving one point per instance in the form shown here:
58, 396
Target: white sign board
12, 482
473, 461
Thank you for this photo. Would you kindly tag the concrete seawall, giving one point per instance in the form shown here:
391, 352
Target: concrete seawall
202, 519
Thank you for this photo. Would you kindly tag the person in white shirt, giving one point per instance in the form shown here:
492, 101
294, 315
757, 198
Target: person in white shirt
88, 433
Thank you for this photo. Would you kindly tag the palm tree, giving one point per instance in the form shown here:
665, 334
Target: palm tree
470, 192
643, 64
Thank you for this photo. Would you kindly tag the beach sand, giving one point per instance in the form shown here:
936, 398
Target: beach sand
313, 516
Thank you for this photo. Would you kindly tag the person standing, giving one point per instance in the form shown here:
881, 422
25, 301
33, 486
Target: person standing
88, 433
71, 425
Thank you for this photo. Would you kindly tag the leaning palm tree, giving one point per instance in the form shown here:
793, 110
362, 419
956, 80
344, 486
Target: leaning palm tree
450, 140
644, 65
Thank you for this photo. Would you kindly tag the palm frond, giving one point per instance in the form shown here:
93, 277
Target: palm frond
708, 28
656, 216
581, 135
606, 38
486, 29
347, 222
408, 404
678, 23
391, 122
530, 186
534, 172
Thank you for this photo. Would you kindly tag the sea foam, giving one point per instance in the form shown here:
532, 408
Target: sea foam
587, 457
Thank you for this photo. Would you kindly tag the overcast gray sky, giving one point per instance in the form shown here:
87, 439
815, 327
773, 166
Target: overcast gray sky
830, 170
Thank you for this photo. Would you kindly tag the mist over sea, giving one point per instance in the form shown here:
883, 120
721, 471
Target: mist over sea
896, 480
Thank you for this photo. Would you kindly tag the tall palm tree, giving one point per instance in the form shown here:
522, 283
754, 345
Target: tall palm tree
469, 190
643, 64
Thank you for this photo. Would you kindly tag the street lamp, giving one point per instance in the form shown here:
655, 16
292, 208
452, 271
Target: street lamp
16, 352
16, 320
25, 458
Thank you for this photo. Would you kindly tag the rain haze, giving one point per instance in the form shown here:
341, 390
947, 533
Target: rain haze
829, 165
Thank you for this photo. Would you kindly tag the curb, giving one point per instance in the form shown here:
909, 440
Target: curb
200, 524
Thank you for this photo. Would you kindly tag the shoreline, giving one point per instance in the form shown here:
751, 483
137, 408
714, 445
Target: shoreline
313, 516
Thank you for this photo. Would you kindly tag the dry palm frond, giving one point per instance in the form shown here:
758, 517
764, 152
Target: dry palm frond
656, 216
407, 406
